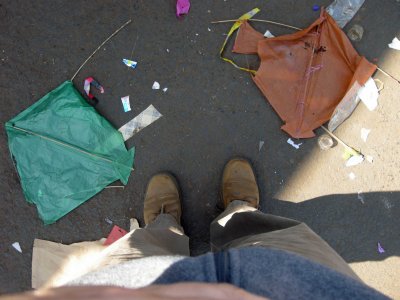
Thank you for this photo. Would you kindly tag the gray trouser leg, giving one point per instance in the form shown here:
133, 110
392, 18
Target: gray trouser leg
242, 226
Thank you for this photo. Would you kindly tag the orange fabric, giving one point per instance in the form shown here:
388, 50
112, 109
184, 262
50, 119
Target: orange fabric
305, 75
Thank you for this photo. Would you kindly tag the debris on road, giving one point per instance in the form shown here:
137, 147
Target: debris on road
142, 120
395, 44
86, 86
360, 196
292, 143
126, 104
352, 176
369, 159
325, 142
72, 159
369, 94
354, 160
344, 10
115, 234
156, 86
356, 33
260, 145
317, 59
182, 8
268, 34
130, 63
364, 134
165, 89
380, 248
316, 7
17, 247
108, 221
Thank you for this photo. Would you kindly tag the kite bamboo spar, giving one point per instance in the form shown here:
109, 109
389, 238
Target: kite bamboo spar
101, 45
296, 28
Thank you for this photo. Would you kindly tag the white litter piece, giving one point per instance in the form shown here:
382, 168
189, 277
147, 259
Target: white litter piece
133, 224
268, 34
290, 142
352, 176
260, 145
17, 247
209, 29
108, 221
167, 50
369, 159
156, 86
126, 104
364, 134
354, 160
369, 94
142, 120
344, 10
395, 44
360, 196
165, 89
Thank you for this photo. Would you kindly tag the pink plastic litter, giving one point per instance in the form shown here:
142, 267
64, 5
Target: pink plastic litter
182, 7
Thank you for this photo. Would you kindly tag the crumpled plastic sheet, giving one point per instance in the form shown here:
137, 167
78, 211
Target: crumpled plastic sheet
344, 10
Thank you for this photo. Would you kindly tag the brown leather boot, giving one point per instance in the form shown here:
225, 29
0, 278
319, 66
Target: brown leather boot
239, 183
162, 196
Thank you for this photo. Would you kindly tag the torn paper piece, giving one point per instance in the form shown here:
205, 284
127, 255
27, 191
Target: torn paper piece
108, 221
182, 7
380, 248
369, 159
360, 196
130, 63
142, 120
91, 81
17, 247
354, 160
290, 142
115, 234
369, 94
156, 86
260, 145
352, 176
395, 44
165, 89
133, 224
364, 134
268, 34
126, 104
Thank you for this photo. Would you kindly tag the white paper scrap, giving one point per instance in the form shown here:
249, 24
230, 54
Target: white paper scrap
126, 104
364, 134
17, 247
369, 94
142, 120
354, 160
352, 176
395, 44
156, 86
290, 142
360, 196
260, 145
268, 34
369, 159
165, 89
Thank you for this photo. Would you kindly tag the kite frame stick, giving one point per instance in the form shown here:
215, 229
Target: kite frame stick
98, 48
258, 20
68, 146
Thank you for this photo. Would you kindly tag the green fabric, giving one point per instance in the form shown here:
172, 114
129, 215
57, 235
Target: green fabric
69, 154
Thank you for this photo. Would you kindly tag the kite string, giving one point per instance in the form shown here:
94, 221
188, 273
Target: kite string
67, 145
98, 48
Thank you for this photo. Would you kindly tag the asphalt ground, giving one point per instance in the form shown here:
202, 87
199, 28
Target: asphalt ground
211, 113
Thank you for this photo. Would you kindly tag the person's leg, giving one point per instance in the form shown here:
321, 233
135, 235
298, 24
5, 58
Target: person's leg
163, 233
243, 225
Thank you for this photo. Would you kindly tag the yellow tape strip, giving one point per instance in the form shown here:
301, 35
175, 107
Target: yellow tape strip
235, 26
